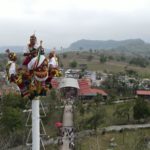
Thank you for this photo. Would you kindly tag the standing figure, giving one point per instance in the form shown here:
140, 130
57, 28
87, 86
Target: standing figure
30, 50
38, 66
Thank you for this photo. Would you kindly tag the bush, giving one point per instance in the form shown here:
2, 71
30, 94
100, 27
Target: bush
141, 109
139, 61
73, 64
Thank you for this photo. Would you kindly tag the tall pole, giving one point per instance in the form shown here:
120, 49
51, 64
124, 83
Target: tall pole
35, 124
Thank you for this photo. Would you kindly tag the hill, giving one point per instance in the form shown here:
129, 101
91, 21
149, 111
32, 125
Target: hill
137, 45
16, 49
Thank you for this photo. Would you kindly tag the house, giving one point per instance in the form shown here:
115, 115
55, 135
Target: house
86, 92
70, 87
72, 73
143, 93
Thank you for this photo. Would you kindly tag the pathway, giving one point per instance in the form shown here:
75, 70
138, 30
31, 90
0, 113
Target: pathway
67, 126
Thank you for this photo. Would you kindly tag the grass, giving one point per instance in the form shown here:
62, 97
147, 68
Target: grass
112, 66
127, 140
52, 147
52, 118
109, 118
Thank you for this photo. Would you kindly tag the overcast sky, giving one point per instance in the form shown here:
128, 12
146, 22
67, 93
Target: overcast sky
61, 22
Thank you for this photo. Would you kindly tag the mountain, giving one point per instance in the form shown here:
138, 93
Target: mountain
127, 45
17, 49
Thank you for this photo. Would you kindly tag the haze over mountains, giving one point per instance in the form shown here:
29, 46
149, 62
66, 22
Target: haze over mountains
125, 45
17, 49
136, 45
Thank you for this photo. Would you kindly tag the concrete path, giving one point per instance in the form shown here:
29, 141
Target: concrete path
113, 128
67, 125
68, 116
129, 127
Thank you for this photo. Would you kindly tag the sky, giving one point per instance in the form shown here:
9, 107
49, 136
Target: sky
60, 22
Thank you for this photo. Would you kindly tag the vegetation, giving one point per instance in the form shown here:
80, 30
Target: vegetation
110, 64
12, 118
89, 58
139, 61
123, 111
103, 58
95, 114
141, 109
73, 64
12, 121
126, 140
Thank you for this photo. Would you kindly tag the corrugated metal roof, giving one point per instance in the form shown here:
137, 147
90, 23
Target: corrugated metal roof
143, 92
68, 82
90, 91
85, 89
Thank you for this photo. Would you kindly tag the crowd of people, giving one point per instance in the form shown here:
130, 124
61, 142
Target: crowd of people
67, 133
36, 72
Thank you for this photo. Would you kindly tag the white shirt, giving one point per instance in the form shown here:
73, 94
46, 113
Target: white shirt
26, 49
31, 66
33, 61
12, 69
53, 62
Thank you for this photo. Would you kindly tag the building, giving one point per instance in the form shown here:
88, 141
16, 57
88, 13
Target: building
72, 73
86, 92
69, 87
143, 93
81, 88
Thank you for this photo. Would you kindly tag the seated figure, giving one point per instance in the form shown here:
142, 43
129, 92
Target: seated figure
53, 68
14, 74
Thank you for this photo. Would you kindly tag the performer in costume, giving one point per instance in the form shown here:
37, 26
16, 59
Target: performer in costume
30, 50
11, 66
29, 53
53, 68
53, 64
39, 68
14, 75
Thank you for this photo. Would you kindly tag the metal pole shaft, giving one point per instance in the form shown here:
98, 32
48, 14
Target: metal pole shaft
35, 125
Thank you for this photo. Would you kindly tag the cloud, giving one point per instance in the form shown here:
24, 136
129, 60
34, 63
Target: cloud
60, 22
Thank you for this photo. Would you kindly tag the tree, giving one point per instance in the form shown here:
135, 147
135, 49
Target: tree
82, 111
53, 95
90, 50
12, 115
64, 55
12, 119
73, 64
122, 111
97, 118
131, 72
110, 57
98, 98
103, 58
139, 61
89, 58
14, 100
141, 109
122, 58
